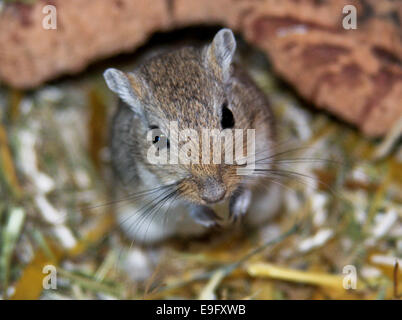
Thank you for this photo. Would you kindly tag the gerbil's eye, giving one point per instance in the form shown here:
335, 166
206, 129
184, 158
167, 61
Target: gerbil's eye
227, 120
159, 138
156, 139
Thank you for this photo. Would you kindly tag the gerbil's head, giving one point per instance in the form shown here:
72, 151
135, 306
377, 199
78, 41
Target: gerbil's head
192, 88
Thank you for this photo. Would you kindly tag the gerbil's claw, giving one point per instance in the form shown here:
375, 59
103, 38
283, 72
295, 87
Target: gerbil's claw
239, 203
204, 216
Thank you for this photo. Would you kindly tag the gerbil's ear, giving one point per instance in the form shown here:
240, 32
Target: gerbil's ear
124, 85
221, 51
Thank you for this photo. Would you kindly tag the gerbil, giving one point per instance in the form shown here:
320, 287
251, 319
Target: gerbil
198, 88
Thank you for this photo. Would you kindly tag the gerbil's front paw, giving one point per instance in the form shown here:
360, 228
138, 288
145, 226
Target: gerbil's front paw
204, 216
239, 203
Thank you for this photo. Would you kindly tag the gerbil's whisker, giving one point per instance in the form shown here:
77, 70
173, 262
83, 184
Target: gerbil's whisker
299, 177
148, 205
151, 209
132, 196
156, 209
299, 160
276, 181
135, 196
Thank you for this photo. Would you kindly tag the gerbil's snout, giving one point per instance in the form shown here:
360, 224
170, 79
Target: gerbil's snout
212, 190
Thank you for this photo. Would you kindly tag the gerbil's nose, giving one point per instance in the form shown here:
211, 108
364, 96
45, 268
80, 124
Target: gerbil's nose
213, 190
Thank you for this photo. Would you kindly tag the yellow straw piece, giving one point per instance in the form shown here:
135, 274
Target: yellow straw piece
321, 279
6, 161
208, 293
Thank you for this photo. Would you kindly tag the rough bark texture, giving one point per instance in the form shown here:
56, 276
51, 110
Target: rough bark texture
355, 74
